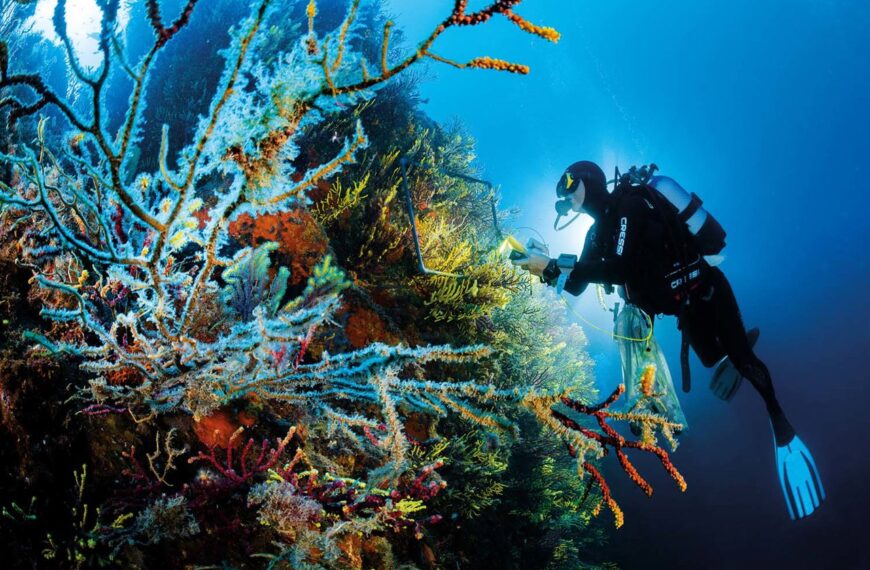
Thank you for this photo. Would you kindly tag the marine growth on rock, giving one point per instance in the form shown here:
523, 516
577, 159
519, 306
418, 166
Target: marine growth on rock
252, 366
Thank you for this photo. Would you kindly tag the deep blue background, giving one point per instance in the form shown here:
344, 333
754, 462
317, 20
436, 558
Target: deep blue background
762, 109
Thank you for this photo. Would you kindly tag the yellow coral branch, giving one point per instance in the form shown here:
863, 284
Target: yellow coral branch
339, 200
498, 64
385, 69
326, 73
445, 60
311, 11
647, 378
342, 35
549, 34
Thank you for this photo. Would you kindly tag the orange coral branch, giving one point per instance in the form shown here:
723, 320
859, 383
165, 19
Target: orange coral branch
498, 64
457, 18
610, 439
630, 469
606, 498
311, 11
549, 34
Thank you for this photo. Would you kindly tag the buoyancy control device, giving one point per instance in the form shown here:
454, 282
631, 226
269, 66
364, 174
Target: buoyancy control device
708, 234
685, 209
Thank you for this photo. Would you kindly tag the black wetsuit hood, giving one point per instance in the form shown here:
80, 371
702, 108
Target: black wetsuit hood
596, 203
597, 198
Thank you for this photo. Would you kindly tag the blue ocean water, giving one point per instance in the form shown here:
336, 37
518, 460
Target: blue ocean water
761, 108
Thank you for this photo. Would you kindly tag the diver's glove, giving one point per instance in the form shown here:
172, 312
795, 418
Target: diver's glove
799, 478
551, 273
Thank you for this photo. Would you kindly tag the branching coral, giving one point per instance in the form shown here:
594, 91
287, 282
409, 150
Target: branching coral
459, 17
81, 545
583, 441
342, 509
339, 200
486, 283
145, 238
456, 234
471, 457
178, 288
248, 466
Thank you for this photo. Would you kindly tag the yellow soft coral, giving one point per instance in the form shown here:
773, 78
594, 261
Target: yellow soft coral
647, 378
549, 34
311, 11
486, 62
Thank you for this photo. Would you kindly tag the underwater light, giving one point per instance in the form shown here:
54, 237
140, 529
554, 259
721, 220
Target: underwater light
83, 25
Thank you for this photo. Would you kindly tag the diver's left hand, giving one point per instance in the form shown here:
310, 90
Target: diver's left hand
535, 263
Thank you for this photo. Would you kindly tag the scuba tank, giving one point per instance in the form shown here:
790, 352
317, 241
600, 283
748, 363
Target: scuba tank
707, 232
708, 235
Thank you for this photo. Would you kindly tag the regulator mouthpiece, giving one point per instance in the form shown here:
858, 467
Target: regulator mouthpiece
563, 208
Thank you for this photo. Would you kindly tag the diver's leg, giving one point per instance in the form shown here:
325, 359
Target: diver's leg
798, 475
732, 335
698, 324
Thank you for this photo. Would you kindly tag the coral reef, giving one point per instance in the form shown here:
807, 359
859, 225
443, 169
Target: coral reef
258, 374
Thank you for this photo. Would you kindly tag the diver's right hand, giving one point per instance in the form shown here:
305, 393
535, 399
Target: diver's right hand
534, 263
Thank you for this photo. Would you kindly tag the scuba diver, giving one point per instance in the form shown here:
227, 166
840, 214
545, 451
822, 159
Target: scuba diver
654, 239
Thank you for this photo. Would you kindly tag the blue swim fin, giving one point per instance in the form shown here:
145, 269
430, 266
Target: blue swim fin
799, 479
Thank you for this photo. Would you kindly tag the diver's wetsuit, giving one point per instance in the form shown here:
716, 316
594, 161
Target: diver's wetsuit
631, 245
